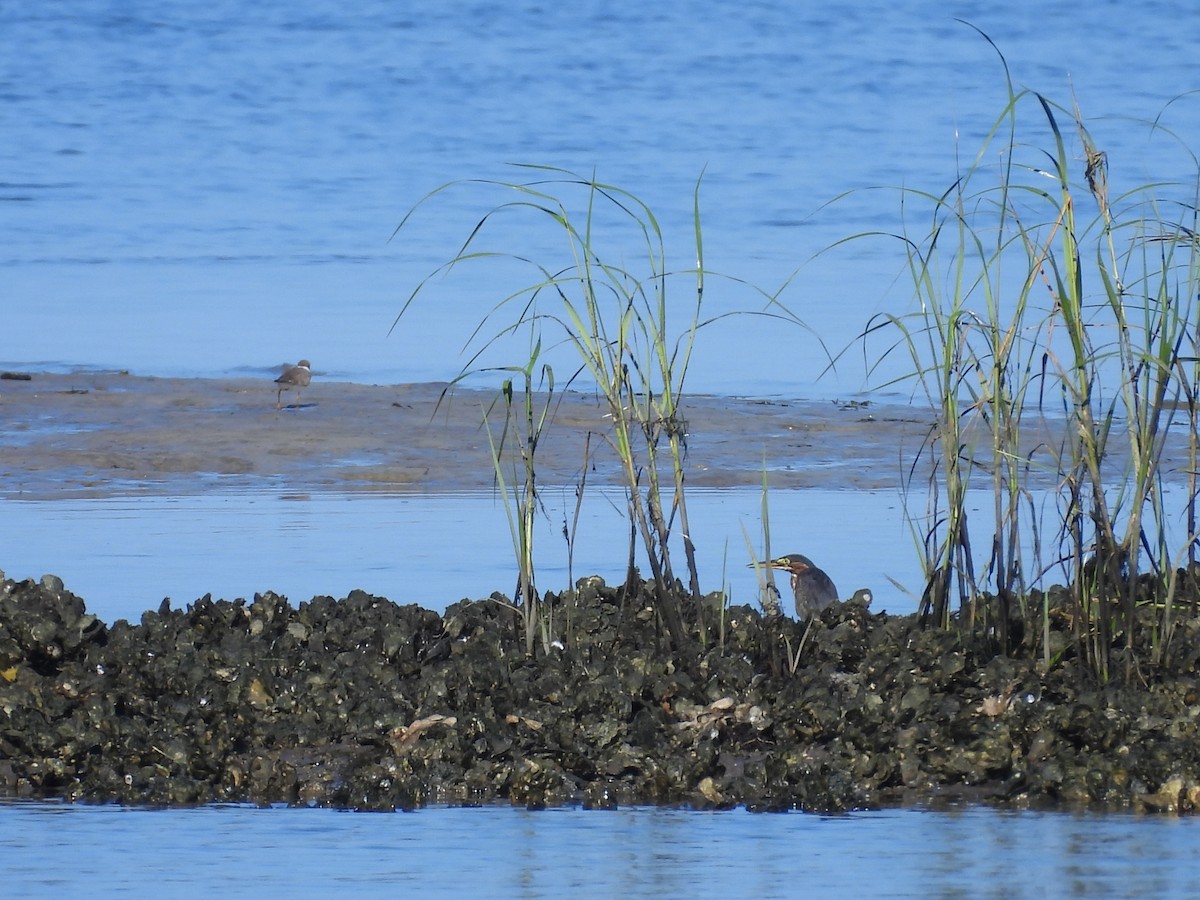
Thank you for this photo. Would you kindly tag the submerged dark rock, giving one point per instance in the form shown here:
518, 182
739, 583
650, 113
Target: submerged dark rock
361, 703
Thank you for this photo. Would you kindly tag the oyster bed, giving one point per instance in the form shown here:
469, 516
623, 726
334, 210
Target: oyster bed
360, 703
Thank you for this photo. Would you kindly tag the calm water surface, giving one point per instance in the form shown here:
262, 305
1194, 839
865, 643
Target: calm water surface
127, 553
209, 189
205, 189
50, 849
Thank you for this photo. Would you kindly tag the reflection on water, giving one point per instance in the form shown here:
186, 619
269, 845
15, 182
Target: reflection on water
504, 852
124, 554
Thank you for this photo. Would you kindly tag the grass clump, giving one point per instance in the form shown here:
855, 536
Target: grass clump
632, 330
1057, 337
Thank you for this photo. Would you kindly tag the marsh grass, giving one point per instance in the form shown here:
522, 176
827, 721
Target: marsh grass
768, 593
525, 419
571, 530
1031, 310
632, 330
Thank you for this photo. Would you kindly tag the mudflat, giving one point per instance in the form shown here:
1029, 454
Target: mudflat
104, 433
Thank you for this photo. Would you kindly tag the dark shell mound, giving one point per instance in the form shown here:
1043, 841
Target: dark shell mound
360, 703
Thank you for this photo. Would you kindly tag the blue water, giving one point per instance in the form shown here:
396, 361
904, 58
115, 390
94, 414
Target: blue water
128, 553
207, 189
54, 850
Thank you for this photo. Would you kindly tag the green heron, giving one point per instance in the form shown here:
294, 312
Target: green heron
813, 589
297, 376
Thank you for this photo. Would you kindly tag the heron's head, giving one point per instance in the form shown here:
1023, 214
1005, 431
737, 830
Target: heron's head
795, 563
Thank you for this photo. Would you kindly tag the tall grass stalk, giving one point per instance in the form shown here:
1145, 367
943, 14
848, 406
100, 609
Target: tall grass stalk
524, 420
768, 593
570, 531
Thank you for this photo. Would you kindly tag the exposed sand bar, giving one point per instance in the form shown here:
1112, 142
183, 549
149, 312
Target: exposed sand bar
98, 434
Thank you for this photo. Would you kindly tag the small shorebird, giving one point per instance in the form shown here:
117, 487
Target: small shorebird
812, 588
297, 376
